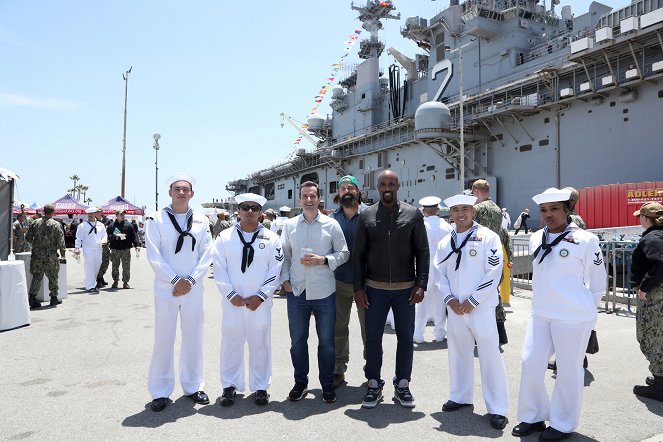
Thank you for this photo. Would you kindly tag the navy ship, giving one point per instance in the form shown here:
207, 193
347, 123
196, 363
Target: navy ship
523, 93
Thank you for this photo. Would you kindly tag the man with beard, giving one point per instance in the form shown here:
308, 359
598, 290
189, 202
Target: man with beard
347, 214
390, 240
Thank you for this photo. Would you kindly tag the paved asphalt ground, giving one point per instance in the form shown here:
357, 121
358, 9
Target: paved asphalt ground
79, 372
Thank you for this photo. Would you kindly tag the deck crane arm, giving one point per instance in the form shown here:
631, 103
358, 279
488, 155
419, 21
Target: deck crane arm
299, 129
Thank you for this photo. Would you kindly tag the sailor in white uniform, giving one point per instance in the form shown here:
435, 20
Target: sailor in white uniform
178, 243
568, 281
433, 306
247, 265
468, 269
279, 222
90, 236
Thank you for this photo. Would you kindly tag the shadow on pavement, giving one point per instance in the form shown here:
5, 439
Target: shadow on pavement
429, 346
652, 405
589, 377
182, 407
386, 413
467, 423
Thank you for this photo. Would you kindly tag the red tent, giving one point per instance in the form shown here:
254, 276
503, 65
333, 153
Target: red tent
119, 203
69, 205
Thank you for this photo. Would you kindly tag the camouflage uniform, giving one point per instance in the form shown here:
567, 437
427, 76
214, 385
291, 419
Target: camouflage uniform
124, 256
20, 243
267, 223
46, 237
577, 219
490, 215
649, 329
220, 226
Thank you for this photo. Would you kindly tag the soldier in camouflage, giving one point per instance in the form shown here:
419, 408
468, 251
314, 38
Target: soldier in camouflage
46, 237
490, 215
573, 216
20, 228
647, 276
221, 224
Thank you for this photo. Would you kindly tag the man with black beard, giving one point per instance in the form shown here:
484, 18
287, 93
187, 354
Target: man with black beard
390, 261
347, 214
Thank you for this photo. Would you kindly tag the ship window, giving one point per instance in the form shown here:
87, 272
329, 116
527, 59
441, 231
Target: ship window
420, 180
626, 119
450, 173
612, 104
589, 111
255, 189
429, 168
332, 187
660, 93
525, 147
289, 194
269, 191
361, 164
497, 137
546, 120
625, 111
544, 142
313, 176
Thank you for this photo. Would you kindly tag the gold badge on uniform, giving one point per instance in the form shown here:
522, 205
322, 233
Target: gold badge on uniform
563, 253
473, 252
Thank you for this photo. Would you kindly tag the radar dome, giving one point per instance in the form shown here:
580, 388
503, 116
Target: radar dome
430, 119
315, 122
337, 91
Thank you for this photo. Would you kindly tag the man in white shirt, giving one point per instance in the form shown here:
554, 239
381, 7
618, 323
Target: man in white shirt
178, 243
469, 265
90, 237
314, 246
247, 266
432, 307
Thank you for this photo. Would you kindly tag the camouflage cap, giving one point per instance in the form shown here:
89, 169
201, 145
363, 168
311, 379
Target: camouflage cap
49, 208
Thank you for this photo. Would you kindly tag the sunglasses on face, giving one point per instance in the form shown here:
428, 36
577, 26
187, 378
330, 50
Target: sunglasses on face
246, 208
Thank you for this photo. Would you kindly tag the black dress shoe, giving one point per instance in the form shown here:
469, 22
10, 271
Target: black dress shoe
498, 421
453, 406
199, 397
524, 429
262, 397
228, 396
159, 404
551, 434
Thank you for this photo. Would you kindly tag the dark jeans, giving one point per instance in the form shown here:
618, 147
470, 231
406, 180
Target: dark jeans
376, 315
299, 317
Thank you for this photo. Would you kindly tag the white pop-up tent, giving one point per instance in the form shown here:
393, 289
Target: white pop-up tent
7, 179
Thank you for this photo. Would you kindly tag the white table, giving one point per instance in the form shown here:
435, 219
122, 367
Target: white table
14, 308
44, 295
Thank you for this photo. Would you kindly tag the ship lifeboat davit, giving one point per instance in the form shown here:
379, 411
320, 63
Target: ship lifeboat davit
315, 122
430, 120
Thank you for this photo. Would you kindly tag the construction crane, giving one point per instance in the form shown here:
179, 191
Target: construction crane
298, 126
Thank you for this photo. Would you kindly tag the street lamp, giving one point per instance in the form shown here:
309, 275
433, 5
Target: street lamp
156, 146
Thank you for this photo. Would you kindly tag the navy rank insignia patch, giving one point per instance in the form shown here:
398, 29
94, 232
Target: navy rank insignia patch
599, 259
493, 259
563, 253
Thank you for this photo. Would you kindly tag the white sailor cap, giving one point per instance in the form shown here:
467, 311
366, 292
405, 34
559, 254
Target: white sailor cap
284, 209
180, 177
244, 197
460, 200
430, 201
552, 195
92, 210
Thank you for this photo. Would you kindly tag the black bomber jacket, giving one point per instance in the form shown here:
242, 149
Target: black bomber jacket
390, 246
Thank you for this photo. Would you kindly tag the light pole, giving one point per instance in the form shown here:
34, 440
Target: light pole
156, 170
125, 77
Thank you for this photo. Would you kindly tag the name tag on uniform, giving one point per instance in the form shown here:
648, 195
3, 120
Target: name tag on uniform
476, 238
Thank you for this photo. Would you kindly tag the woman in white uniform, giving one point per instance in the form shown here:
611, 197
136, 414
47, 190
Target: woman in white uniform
569, 279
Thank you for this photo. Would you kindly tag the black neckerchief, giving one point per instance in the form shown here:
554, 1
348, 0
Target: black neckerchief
547, 248
185, 233
457, 250
93, 229
247, 251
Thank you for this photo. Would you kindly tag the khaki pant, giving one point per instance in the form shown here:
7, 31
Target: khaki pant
344, 300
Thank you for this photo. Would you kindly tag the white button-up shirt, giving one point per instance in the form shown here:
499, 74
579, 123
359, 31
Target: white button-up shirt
323, 236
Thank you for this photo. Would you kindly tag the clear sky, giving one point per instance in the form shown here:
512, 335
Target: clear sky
210, 76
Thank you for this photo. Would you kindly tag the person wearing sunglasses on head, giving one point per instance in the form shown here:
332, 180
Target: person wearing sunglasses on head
247, 265
178, 243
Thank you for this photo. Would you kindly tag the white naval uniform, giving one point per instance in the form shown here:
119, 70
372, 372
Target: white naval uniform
433, 306
566, 289
278, 223
169, 267
477, 279
239, 325
90, 241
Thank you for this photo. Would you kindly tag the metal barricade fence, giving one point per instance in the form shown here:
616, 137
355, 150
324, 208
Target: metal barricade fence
616, 255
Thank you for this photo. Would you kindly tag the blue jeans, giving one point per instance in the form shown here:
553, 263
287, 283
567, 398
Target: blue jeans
376, 316
299, 317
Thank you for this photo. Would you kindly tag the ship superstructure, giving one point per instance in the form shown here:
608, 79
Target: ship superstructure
549, 98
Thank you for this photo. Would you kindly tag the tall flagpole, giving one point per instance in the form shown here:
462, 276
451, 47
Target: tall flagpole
125, 77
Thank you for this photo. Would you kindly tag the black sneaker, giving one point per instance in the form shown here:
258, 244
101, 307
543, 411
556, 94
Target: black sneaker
373, 394
402, 394
262, 398
298, 392
328, 394
228, 396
